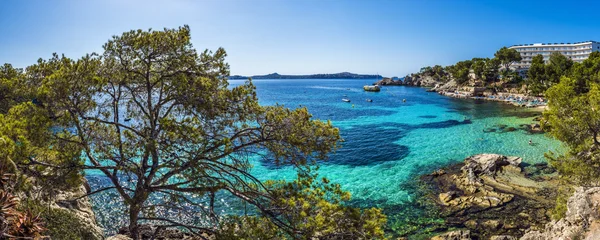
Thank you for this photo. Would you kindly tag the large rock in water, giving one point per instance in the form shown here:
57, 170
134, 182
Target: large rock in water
488, 164
491, 195
582, 220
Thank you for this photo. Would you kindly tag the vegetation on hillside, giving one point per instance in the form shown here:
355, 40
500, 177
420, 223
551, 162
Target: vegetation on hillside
486, 71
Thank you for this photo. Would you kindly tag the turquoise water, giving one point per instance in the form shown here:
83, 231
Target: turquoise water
388, 142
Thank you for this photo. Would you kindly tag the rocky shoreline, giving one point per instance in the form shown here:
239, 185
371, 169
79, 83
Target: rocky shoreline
451, 89
490, 196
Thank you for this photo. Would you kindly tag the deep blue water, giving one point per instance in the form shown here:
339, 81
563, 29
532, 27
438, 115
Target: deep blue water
389, 142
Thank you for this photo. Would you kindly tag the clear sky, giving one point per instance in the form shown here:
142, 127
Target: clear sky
392, 38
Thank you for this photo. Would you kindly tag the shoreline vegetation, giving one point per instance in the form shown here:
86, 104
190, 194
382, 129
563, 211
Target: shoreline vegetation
569, 94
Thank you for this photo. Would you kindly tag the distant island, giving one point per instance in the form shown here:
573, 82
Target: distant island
342, 75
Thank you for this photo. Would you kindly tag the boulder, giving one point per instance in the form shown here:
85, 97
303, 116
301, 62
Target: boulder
119, 237
503, 237
487, 164
536, 128
454, 235
447, 197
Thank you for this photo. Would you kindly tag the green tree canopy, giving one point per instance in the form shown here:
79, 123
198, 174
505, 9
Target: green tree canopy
490, 71
507, 56
158, 119
460, 71
536, 75
558, 65
574, 118
478, 66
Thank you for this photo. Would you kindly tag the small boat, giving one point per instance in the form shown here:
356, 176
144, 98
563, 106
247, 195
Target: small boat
369, 100
127, 119
345, 100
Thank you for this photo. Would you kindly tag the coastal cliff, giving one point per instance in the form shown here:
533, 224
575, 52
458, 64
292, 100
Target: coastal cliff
582, 220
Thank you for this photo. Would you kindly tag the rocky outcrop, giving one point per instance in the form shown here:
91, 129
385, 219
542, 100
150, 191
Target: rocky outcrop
421, 81
582, 220
119, 237
75, 202
411, 80
491, 195
448, 86
454, 235
388, 82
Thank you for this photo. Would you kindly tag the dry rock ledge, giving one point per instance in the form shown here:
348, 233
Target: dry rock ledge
491, 196
582, 220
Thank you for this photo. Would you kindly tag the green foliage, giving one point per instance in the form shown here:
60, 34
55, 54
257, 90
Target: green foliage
542, 76
560, 208
478, 66
586, 72
314, 209
437, 72
558, 65
574, 118
60, 223
536, 75
460, 71
507, 56
490, 72
16, 222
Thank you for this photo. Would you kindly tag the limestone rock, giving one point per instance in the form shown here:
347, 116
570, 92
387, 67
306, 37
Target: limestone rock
454, 235
82, 207
503, 237
119, 237
488, 164
448, 86
582, 220
491, 224
446, 197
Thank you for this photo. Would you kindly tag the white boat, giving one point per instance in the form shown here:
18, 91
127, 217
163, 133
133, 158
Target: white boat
345, 100
369, 100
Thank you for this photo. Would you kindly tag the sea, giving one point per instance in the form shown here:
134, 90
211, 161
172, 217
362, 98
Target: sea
403, 133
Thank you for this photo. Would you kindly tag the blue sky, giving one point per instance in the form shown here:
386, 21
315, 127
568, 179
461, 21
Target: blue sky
392, 38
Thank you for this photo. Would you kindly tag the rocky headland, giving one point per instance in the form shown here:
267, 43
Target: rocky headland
490, 196
410, 80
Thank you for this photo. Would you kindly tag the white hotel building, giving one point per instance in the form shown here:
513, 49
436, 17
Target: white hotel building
575, 51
